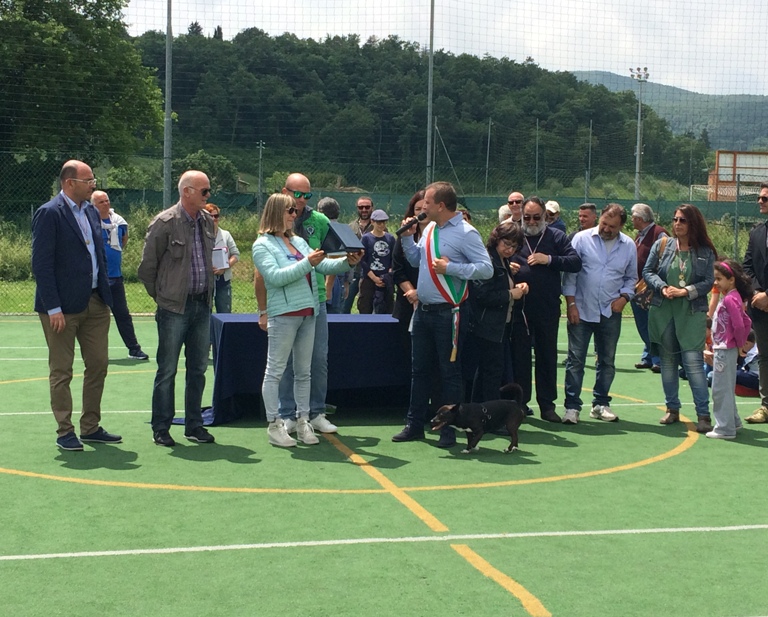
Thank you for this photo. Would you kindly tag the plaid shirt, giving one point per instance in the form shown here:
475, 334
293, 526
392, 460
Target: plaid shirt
198, 269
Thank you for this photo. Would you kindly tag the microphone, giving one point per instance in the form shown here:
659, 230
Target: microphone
421, 217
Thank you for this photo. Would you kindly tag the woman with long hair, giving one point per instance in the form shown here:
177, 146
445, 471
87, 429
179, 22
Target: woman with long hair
681, 275
491, 303
404, 274
287, 265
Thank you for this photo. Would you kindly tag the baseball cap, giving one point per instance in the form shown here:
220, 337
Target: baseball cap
552, 206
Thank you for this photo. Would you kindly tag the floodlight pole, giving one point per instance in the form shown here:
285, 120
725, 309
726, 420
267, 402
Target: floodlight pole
429, 89
167, 134
640, 76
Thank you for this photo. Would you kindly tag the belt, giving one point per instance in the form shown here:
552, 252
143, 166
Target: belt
442, 306
201, 297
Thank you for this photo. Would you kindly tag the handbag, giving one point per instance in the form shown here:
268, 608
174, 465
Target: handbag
644, 293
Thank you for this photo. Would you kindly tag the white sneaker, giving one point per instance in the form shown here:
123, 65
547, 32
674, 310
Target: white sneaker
571, 416
715, 435
603, 412
305, 432
321, 423
290, 425
278, 436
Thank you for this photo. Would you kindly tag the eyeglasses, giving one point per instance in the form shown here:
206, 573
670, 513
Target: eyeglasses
91, 181
301, 195
203, 192
216, 216
679, 219
364, 207
509, 244
515, 201
762, 199
529, 217
291, 210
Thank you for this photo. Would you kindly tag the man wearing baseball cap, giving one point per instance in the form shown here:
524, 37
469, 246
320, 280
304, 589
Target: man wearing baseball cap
553, 215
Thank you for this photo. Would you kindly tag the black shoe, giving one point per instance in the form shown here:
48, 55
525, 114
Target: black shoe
200, 435
101, 436
409, 433
550, 416
643, 365
137, 354
163, 438
447, 437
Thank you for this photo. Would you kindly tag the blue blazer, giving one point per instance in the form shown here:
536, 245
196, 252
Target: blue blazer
61, 263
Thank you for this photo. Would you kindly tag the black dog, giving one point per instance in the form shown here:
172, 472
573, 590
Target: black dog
480, 418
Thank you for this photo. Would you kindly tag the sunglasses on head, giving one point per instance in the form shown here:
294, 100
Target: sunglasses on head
291, 210
762, 199
514, 201
301, 195
529, 217
679, 219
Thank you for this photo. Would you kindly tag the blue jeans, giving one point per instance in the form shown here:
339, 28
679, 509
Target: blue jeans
431, 345
192, 330
319, 380
693, 363
606, 333
222, 296
290, 345
641, 323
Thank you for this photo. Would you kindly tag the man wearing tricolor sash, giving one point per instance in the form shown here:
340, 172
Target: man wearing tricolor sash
449, 253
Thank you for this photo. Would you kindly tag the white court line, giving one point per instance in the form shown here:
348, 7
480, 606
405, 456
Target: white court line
401, 540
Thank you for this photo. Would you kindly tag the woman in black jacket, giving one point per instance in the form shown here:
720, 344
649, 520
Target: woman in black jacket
491, 314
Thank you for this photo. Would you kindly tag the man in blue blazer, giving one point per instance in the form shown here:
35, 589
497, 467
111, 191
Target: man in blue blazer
72, 299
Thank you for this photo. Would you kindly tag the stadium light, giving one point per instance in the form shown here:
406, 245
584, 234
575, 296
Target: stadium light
640, 76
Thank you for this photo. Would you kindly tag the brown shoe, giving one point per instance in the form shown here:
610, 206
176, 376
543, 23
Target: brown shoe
760, 416
672, 416
704, 425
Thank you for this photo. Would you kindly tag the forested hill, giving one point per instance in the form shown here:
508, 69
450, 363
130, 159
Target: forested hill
350, 104
732, 122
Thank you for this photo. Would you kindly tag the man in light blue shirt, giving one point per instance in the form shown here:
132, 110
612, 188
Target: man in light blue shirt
449, 253
596, 297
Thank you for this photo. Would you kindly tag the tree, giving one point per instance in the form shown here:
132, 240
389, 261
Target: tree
71, 86
221, 172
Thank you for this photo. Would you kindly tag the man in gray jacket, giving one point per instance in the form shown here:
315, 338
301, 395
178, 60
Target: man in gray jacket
177, 272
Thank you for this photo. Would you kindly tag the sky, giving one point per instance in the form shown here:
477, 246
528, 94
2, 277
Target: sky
707, 46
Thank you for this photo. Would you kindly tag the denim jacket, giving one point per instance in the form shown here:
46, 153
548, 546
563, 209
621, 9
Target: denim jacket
288, 289
703, 262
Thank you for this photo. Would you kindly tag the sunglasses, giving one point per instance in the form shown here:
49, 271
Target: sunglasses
762, 199
291, 210
301, 195
679, 219
203, 192
216, 216
363, 207
514, 201
529, 217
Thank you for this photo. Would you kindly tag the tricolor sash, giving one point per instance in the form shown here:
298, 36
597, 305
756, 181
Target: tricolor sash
452, 293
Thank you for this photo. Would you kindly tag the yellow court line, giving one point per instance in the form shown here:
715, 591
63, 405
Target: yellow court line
182, 487
409, 502
530, 603
689, 440
12, 381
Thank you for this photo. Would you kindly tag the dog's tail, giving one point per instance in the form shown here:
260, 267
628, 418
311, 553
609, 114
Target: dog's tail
511, 392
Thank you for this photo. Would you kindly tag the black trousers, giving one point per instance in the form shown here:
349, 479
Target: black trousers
122, 315
540, 331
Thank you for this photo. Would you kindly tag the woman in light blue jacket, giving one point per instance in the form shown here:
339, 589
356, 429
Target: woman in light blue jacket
287, 265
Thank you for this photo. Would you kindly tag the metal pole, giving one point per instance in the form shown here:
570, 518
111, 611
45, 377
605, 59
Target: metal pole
537, 156
167, 126
736, 219
430, 87
640, 76
487, 155
261, 179
589, 165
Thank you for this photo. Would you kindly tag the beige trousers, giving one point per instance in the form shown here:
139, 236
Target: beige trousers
91, 329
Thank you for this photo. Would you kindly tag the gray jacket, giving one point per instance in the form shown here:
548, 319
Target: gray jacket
657, 266
167, 256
